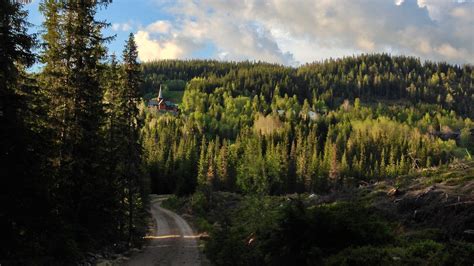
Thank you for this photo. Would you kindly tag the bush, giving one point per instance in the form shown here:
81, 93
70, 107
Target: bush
363, 256
288, 233
306, 236
174, 203
199, 203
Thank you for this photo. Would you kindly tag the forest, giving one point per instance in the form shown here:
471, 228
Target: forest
72, 173
261, 128
81, 150
352, 161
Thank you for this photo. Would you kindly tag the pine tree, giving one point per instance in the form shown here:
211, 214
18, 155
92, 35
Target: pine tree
133, 165
53, 78
222, 165
273, 169
345, 169
203, 164
72, 55
334, 170
383, 168
327, 155
211, 164
25, 181
251, 176
114, 149
301, 165
313, 172
291, 175
392, 165
305, 109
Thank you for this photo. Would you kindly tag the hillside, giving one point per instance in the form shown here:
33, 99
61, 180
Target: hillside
274, 129
370, 77
353, 161
422, 218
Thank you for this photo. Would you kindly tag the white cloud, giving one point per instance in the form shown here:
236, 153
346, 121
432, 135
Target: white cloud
234, 41
365, 44
149, 49
424, 47
160, 26
450, 52
290, 31
121, 26
399, 2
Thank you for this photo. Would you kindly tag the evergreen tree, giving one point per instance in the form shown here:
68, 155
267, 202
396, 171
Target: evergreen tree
130, 98
334, 170
291, 176
222, 165
203, 164
211, 164
25, 181
71, 80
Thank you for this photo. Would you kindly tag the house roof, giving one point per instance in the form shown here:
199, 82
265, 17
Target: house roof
152, 102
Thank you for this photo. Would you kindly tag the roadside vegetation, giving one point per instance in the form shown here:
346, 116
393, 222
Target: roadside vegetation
412, 220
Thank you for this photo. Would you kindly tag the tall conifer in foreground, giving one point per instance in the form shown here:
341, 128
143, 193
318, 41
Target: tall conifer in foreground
23, 185
114, 149
72, 55
136, 194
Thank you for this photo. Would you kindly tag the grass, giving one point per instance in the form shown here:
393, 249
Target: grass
456, 173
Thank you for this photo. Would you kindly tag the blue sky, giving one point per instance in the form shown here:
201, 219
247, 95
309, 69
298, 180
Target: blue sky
137, 13
290, 32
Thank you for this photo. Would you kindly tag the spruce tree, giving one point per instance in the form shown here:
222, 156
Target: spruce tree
202, 164
132, 159
222, 165
72, 54
114, 150
24, 184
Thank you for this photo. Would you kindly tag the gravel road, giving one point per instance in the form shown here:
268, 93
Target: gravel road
174, 243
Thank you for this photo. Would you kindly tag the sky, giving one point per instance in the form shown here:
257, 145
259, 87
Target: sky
289, 32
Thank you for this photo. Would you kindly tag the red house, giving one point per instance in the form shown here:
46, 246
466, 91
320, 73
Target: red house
161, 104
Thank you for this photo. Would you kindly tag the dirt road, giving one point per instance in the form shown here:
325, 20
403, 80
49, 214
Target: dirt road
174, 243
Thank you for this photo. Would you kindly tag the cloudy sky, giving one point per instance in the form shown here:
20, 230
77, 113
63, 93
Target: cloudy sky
291, 32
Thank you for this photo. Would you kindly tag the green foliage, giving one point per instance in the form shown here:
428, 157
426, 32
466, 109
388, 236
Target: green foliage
199, 203
273, 232
367, 255
173, 203
26, 176
371, 78
303, 138
76, 162
264, 129
278, 231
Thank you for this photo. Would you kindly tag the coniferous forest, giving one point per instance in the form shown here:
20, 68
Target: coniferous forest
72, 173
285, 147
255, 127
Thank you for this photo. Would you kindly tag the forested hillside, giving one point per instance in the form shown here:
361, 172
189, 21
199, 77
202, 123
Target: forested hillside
374, 146
256, 127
